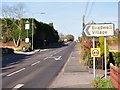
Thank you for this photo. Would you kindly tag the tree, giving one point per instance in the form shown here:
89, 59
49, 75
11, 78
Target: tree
70, 37
44, 34
15, 14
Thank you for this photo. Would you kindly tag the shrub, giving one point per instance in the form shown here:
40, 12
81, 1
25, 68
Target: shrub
116, 56
24, 48
102, 83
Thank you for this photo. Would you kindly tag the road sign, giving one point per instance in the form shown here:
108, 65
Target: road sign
27, 40
95, 52
100, 29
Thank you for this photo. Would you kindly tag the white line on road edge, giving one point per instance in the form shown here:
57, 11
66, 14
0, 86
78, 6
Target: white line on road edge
18, 86
35, 63
44, 50
8, 67
15, 72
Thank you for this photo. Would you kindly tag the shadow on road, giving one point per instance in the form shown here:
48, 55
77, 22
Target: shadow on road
9, 57
53, 45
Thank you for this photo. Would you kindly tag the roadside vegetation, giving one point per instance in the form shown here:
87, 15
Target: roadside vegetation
113, 56
86, 45
102, 83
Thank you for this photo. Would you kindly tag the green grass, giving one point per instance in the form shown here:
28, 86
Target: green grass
102, 83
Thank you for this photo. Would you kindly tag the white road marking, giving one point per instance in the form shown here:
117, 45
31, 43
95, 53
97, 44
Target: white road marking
46, 58
18, 86
16, 72
35, 63
51, 55
58, 58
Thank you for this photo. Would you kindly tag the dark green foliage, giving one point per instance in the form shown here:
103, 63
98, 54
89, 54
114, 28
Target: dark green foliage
44, 34
116, 57
111, 60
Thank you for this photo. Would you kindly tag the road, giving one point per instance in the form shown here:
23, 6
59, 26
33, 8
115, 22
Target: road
38, 70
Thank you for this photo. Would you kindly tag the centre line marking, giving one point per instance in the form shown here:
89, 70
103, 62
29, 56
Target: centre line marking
35, 63
15, 72
18, 86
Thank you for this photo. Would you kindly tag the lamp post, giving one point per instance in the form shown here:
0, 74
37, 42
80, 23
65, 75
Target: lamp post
32, 32
33, 29
27, 27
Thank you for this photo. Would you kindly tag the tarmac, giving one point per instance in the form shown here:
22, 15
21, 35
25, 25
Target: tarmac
75, 74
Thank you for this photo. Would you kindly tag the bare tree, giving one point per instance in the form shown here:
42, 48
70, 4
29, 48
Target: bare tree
14, 13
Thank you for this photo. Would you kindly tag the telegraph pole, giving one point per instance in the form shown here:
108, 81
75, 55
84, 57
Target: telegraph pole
83, 26
83, 21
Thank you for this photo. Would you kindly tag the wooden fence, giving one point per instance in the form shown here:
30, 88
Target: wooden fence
115, 76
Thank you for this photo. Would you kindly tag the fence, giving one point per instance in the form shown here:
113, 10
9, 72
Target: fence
115, 76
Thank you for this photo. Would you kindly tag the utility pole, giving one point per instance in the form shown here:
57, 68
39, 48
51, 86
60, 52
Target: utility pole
83, 21
83, 25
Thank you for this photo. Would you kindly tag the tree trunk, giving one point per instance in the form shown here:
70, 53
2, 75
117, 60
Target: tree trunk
18, 41
14, 42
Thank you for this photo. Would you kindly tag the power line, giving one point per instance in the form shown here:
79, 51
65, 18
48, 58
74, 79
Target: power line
90, 10
86, 8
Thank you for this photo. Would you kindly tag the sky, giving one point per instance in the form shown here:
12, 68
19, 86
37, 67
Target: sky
67, 17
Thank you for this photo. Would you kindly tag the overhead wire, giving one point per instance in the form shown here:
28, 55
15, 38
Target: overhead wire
90, 10
87, 5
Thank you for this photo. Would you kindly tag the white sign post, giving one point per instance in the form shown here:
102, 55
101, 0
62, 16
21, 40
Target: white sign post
94, 59
97, 30
105, 57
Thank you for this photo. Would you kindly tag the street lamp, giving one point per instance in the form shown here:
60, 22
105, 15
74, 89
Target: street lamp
27, 27
33, 28
32, 32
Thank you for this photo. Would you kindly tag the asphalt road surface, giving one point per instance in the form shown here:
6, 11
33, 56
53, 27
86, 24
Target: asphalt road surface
38, 70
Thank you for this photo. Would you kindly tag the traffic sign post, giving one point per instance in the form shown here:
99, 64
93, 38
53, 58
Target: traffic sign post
94, 59
105, 57
97, 30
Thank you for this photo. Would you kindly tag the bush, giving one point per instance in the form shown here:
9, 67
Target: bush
102, 83
116, 56
24, 48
